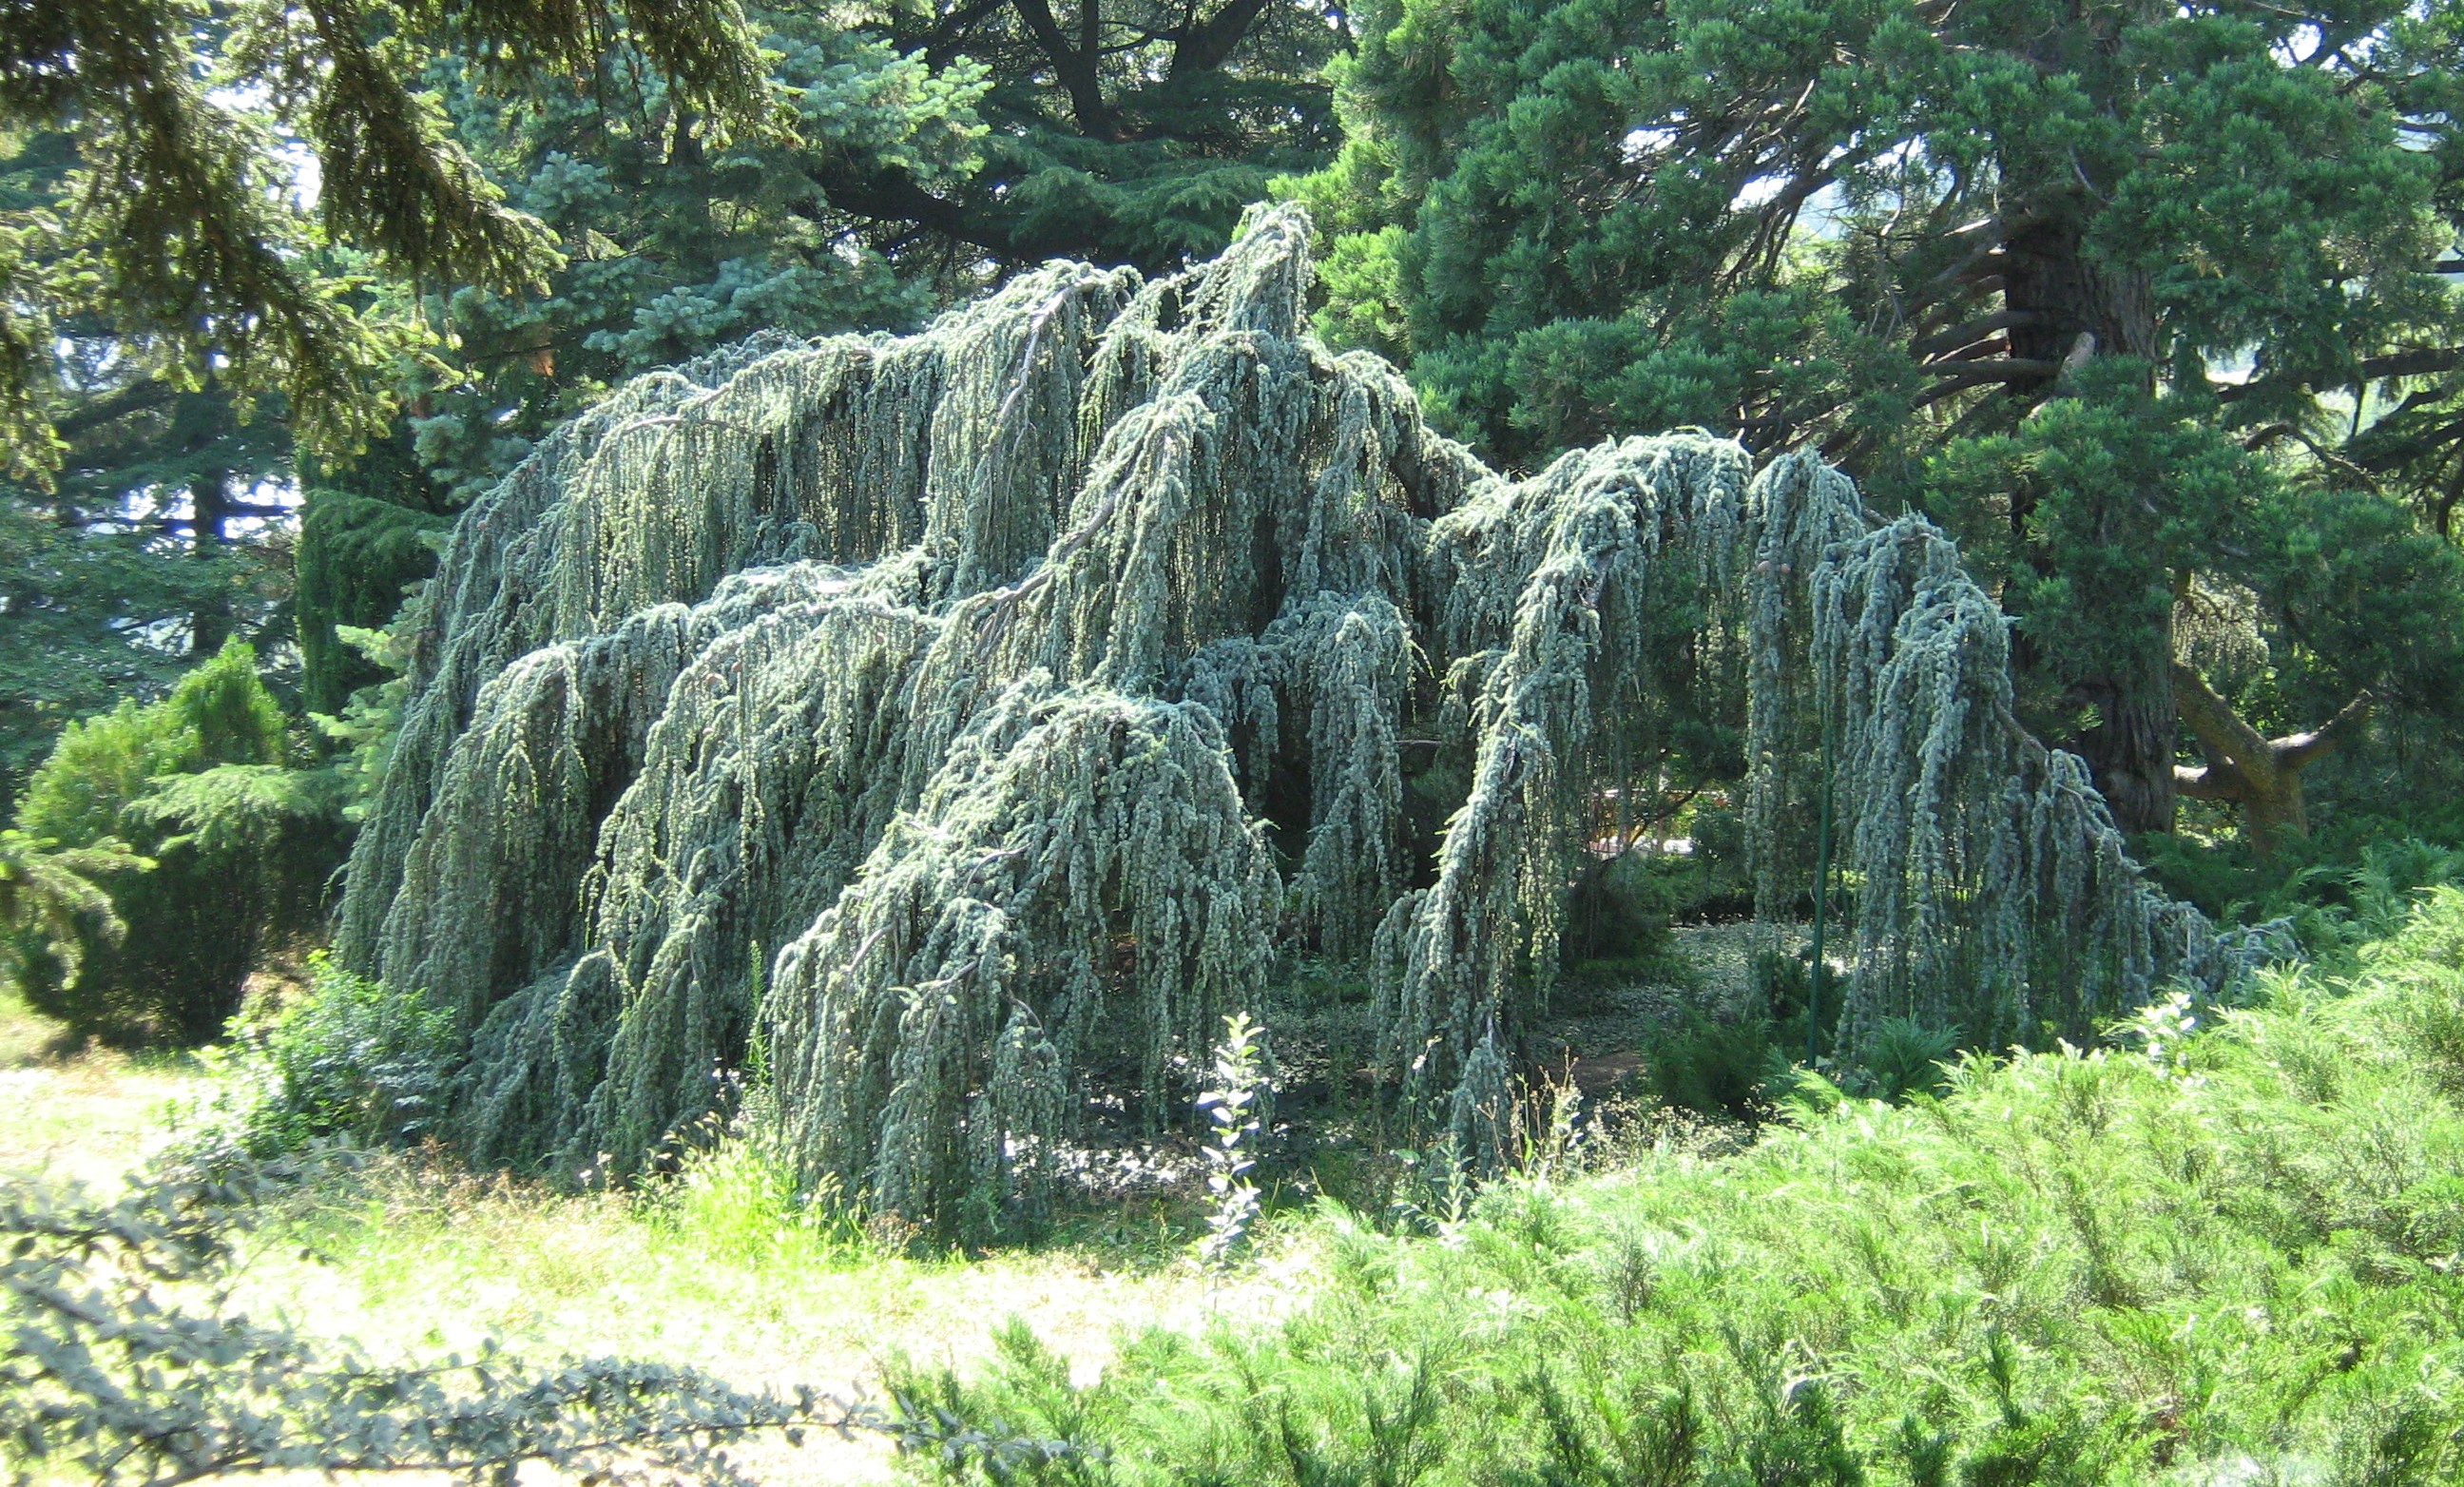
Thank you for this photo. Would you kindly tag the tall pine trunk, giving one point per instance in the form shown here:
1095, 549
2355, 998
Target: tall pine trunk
2084, 310
210, 516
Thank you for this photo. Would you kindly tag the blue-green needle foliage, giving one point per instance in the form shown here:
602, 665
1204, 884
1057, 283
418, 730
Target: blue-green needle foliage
2220, 1252
1034, 682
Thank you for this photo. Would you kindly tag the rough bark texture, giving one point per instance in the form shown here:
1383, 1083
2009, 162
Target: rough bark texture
2261, 775
2074, 309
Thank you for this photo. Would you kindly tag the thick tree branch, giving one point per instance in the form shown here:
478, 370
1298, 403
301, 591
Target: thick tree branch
2296, 749
2220, 730
2214, 781
1208, 44
138, 397
2261, 775
1961, 337
1955, 377
1073, 65
892, 195
2414, 362
947, 39
2005, 368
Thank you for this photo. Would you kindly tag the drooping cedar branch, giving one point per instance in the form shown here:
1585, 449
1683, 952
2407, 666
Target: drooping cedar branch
967, 720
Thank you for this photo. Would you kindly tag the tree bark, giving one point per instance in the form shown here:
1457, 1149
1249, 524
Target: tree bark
2061, 308
2261, 775
209, 515
2130, 748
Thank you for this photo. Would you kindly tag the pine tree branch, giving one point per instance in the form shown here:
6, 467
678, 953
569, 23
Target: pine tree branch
1072, 64
2296, 750
1955, 377
1207, 45
138, 397
891, 194
1960, 337
2412, 361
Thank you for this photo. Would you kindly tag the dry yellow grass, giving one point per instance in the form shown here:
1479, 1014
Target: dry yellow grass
412, 1260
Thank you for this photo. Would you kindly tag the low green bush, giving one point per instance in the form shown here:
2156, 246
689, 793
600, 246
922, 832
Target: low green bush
1715, 1067
352, 1060
2228, 1252
1622, 908
2338, 890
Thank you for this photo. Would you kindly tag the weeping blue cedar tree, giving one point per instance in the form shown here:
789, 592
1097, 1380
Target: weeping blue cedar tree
1033, 684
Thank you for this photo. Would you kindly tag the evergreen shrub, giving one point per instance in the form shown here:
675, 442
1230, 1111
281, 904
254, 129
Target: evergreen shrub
2222, 1250
352, 1060
239, 847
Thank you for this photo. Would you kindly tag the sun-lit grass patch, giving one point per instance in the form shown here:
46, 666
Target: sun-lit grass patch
87, 1115
721, 1268
724, 1267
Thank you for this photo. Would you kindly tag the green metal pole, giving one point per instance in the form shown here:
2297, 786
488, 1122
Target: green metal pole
1822, 900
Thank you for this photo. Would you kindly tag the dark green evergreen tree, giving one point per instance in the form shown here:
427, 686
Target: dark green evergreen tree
183, 229
236, 846
177, 299
678, 240
1120, 132
2097, 285
157, 535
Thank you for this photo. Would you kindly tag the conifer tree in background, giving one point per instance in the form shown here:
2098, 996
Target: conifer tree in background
1119, 131
634, 202
677, 240
931, 151
183, 229
175, 305
157, 536
2085, 282
152, 549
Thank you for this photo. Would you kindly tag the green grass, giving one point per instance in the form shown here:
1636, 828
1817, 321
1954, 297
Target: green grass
2231, 1260
2226, 1259
24, 1037
410, 1261
85, 1117
708, 1271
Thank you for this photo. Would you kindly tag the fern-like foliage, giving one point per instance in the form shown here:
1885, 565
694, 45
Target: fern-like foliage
50, 902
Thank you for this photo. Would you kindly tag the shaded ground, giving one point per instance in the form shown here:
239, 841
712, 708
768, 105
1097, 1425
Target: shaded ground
1607, 1017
